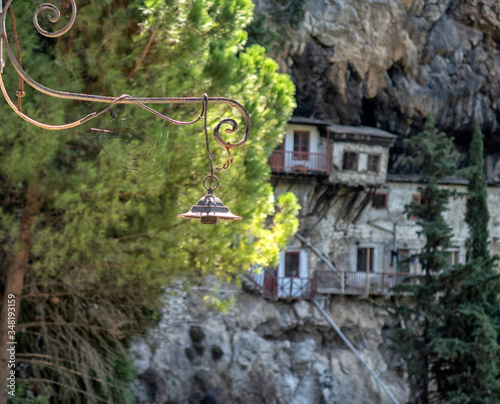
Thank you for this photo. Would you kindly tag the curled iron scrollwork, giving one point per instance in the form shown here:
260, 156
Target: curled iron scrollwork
54, 18
123, 99
234, 128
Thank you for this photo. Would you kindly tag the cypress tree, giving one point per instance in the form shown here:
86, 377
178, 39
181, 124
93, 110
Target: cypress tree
430, 151
477, 215
450, 344
466, 347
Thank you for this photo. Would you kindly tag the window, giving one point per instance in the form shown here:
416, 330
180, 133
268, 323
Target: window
404, 260
365, 259
415, 198
301, 145
350, 161
292, 264
373, 163
379, 201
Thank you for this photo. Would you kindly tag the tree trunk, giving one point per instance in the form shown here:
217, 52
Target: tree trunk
17, 266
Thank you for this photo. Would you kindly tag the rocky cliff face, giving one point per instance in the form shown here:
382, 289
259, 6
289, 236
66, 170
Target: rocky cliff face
264, 352
391, 63
382, 63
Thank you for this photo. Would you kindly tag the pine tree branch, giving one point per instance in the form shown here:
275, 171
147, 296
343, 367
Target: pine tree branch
143, 55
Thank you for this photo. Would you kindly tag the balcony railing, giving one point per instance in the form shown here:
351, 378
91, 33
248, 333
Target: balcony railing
296, 288
272, 287
282, 161
327, 282
263, 280
359, 283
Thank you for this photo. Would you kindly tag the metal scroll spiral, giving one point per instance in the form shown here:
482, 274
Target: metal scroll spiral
234, 128
54, 18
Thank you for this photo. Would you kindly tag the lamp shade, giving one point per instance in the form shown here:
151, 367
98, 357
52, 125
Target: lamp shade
209, 210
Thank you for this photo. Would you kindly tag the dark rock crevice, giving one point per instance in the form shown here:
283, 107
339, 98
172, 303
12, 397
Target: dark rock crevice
391, 65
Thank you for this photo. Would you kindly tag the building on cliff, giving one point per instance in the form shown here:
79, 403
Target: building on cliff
355, 237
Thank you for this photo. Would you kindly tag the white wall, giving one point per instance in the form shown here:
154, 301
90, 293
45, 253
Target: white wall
316, 146
361, 176
303, 264
400, 194
375, 229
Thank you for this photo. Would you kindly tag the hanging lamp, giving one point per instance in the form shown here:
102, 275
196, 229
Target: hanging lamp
209, 208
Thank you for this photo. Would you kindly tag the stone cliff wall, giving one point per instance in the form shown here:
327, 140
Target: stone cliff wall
391, 63
265, 352
381, 63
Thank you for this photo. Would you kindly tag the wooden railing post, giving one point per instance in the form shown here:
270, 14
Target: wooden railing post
368, 260
275, 285
281, 160
351, 283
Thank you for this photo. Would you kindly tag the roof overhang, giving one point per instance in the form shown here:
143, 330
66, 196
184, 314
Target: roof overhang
308, 121
362, 134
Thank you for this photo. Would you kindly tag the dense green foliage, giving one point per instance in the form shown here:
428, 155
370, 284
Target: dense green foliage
477, 215
450, 342
431, 151
106, 242
466, 344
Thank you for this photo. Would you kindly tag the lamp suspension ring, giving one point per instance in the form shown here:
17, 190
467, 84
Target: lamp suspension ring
212, 177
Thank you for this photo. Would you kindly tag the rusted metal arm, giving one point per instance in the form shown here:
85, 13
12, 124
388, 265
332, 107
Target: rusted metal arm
123, 99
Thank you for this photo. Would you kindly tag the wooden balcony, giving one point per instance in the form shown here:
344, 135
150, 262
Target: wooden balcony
282, 161
360, 283
266, 282
326, 282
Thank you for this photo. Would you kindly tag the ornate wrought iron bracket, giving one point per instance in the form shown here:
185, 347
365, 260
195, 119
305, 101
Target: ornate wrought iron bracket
111, 101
